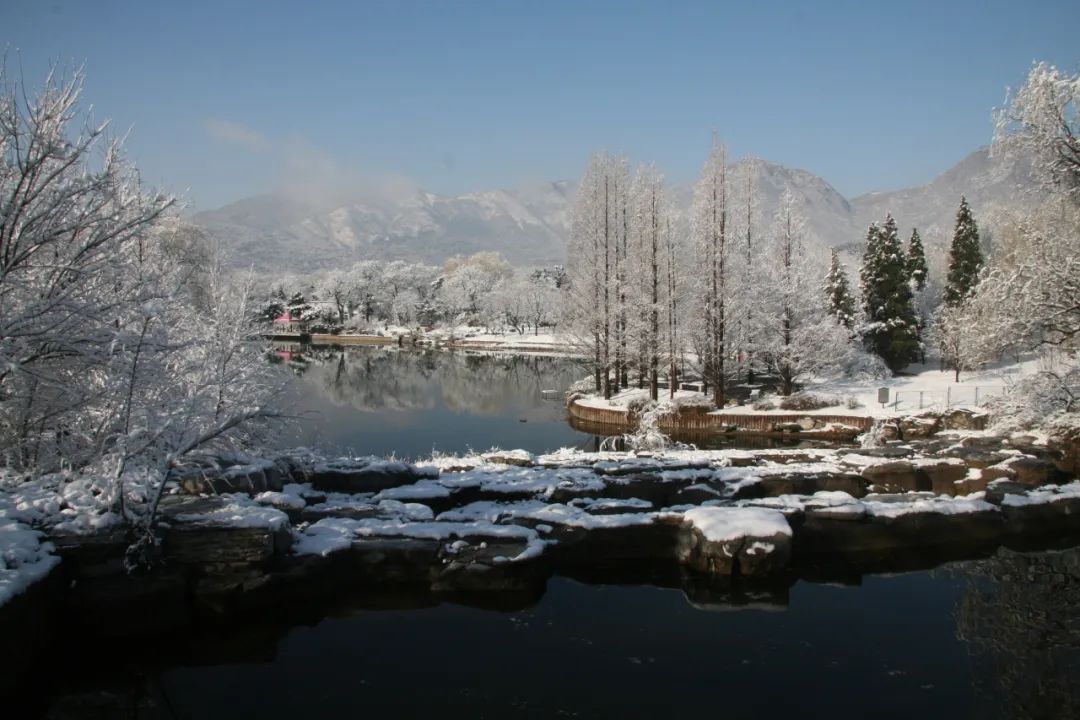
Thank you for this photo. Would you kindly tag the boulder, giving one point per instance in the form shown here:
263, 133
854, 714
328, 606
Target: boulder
919, 426
735, 541
961, 419
897, 475
519, 458
215, 530
998, 489
977, 456
796, 483
365, 475
1032, 472
888, 451
1066, 442
940, 476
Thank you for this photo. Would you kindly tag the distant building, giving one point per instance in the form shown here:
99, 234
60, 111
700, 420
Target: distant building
287, 324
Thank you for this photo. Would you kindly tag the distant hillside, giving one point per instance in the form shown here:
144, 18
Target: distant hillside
529, 225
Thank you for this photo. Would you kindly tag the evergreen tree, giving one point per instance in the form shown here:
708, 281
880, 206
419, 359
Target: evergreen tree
839, 301
298, 306
891, 329
965, 257
916, 261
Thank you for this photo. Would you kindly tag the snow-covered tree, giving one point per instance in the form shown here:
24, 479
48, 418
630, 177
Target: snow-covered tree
591, 297
746, 211
1042, 121
965, 257
648, 226
541, 296
789, 309
468, 279
709, 218
916, 262
955, 336
890, 329
298, 306
1028, 297
123, 348
840, 303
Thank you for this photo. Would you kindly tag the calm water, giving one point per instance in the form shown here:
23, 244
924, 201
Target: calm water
998, 638
409, 403
384, 401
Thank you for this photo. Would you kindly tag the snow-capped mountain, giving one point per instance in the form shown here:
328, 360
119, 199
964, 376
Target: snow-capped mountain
529, 225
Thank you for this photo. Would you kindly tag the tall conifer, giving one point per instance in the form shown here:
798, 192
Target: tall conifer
838, 294
891, 329
965, 257
916, 261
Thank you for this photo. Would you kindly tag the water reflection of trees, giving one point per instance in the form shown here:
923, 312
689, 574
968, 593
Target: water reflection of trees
373, 379
1020, 616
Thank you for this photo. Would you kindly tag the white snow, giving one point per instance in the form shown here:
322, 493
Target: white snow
1044, 495
242, 512
723, 524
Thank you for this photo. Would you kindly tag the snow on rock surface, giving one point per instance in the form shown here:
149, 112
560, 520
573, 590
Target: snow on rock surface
723, 524
25, 556
239, 511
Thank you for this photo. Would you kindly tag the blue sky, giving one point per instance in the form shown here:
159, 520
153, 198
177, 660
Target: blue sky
228, 99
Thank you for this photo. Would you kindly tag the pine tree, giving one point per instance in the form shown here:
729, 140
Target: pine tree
838, 294
298, 306
965, 257
916, 261
891, 330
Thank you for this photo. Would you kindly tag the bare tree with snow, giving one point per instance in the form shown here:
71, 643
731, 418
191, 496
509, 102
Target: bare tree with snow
709, 218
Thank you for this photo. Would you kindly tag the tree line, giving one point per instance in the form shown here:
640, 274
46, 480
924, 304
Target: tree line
482, 289
722, 295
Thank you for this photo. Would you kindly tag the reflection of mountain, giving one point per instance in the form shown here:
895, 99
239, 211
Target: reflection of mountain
1020, 615
377, 379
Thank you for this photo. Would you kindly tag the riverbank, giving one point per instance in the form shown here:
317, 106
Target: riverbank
462, 338
493, 527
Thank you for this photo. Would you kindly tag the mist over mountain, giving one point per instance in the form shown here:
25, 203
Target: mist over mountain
529, 225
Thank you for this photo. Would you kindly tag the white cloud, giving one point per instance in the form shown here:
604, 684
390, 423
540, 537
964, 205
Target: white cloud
305, 172
234, 133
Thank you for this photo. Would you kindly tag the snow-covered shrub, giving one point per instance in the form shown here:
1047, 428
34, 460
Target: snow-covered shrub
1037, 400
763, 405
695, 402
852, 403
808, 401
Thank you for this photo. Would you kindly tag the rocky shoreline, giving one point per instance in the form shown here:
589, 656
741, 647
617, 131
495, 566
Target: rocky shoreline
727, 526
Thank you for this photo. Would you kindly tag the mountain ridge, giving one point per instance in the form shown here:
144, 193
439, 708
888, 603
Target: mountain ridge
529, 225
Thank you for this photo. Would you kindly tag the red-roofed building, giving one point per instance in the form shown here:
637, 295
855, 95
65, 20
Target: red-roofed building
286, 324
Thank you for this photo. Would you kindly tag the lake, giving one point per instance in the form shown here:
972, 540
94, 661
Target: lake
371, 400
996, 638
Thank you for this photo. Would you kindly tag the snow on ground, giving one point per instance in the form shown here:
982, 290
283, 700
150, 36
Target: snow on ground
922, 388
25, 556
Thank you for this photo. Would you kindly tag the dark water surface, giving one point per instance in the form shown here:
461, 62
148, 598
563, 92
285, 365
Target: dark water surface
997, 638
